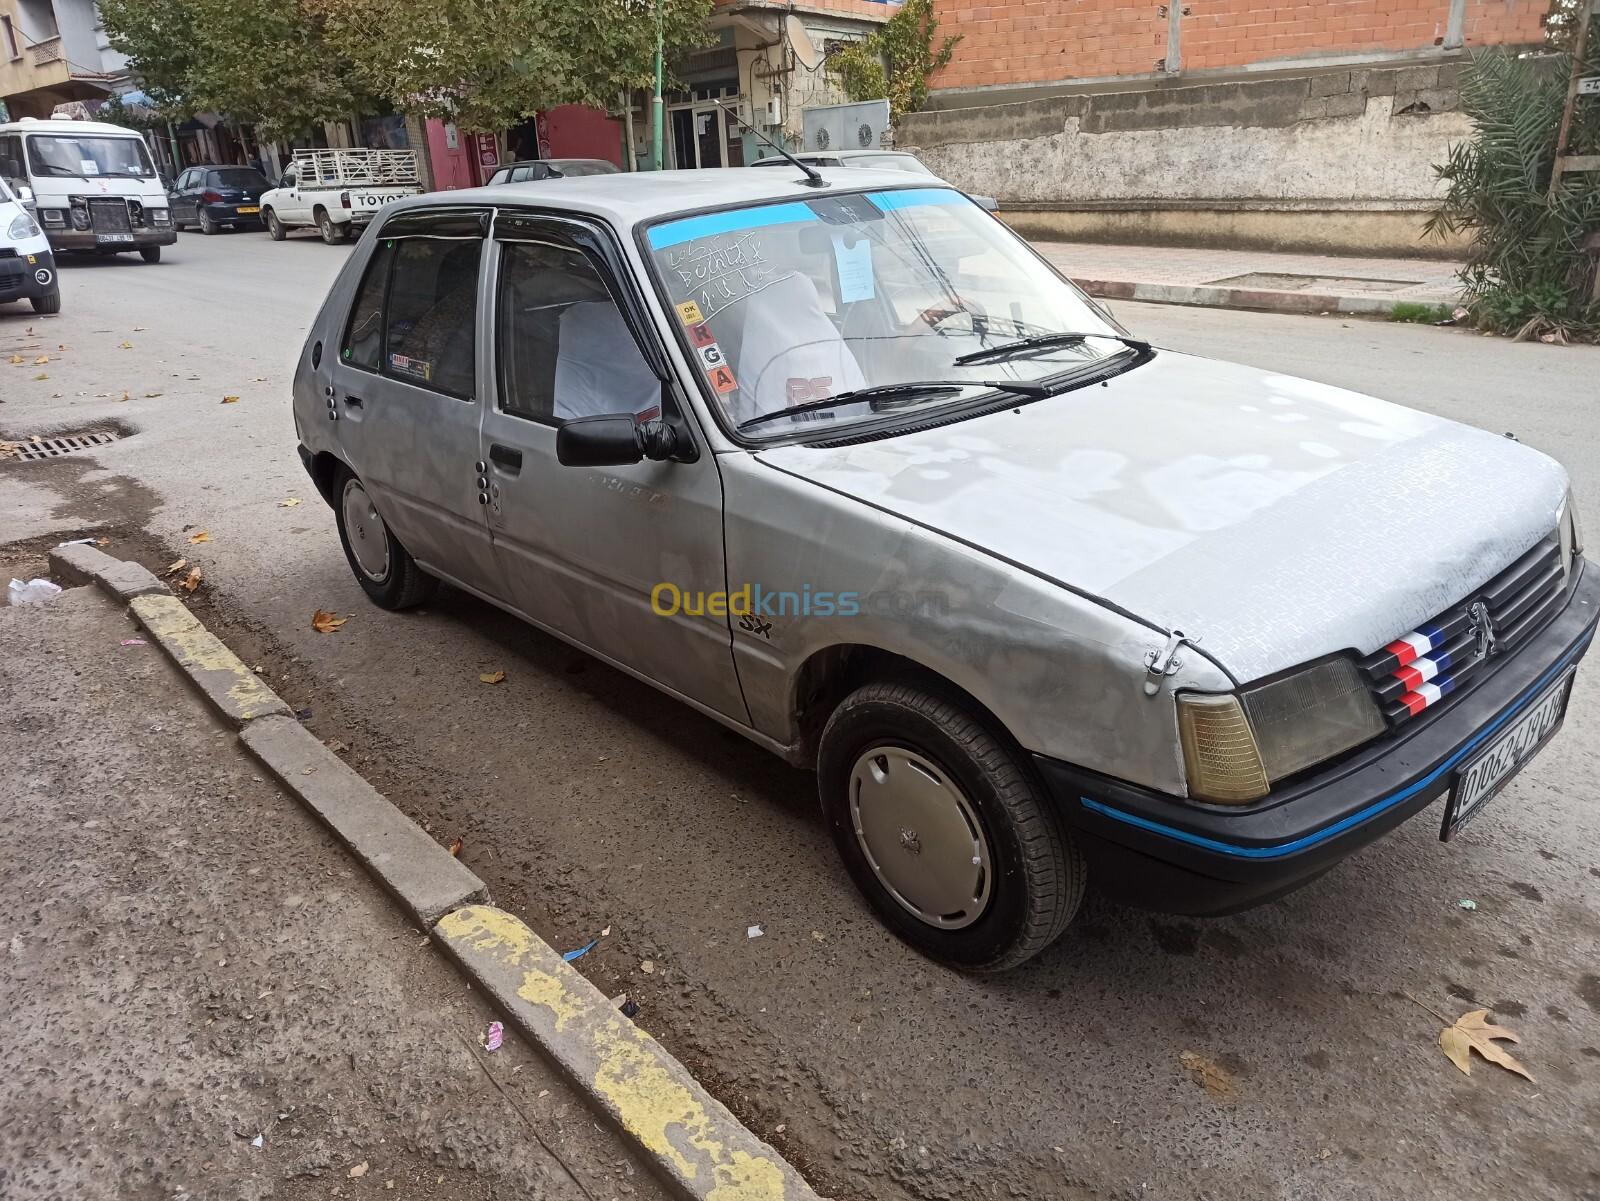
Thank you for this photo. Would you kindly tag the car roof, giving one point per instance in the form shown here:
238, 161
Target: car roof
221, 167
631, 198
49, 125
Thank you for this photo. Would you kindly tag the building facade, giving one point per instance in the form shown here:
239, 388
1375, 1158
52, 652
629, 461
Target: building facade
55, 52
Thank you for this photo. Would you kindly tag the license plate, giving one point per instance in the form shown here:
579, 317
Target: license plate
249, 208
1492, 770
113, 238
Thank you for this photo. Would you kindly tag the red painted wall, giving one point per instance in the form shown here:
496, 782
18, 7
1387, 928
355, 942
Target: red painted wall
573, 131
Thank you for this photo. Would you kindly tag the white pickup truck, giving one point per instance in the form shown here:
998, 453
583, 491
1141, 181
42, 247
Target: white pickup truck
337, 191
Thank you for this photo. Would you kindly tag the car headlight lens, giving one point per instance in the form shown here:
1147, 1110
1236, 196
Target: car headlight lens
23, 226
158, 216
1570, 535
1236, 747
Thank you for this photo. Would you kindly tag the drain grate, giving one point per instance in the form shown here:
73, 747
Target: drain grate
50, 448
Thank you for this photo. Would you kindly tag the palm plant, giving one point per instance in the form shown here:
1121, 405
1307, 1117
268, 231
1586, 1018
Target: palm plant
1528, 268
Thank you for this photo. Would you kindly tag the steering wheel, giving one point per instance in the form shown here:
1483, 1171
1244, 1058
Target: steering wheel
937, 317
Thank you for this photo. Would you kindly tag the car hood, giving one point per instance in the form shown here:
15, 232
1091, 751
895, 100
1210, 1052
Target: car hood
1274, 519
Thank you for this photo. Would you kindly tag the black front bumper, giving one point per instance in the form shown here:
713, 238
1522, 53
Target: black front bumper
1154, 851
85, 239
229, 214
20, 276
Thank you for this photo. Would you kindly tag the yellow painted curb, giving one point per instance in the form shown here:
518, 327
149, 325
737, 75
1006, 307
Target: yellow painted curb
695, 1143
227, 683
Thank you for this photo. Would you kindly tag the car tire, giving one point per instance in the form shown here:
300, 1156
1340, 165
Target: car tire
332, 232
906, 762
150, 254
275, 229
384, 569
50, 302
207, 225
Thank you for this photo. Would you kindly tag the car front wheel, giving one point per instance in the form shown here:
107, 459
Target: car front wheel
383, 568
944, 827
150, 254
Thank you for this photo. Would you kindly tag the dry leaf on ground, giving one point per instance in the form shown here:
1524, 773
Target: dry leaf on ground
230, 400
289, 503
41, 360
492, 677
455, 847
125, 346
324, 622
1210, 1075
1472, 1032
176, 567
191, 581
200, 536
16, 360
42, 375
149, 395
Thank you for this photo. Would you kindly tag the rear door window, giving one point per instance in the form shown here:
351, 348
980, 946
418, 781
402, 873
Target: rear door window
363, 336
431, 315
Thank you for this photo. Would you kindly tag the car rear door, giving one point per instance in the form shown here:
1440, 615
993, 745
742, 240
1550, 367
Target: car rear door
583, 549
407, 386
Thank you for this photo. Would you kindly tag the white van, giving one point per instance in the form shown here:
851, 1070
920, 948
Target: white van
93, 186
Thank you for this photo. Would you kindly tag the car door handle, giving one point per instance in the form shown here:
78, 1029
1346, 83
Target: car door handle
506, 456
355, 402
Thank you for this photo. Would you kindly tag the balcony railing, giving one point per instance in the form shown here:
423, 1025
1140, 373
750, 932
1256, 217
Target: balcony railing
47, 51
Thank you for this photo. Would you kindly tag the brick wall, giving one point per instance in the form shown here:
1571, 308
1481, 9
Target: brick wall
1049, 41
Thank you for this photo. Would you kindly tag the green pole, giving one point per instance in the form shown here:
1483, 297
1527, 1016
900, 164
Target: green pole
658, 108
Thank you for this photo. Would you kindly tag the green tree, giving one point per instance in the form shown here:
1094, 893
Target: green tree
262, 61
1527, 272
896, 62
487, 64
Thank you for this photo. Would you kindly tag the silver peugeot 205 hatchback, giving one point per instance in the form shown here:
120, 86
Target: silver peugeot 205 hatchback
836, 459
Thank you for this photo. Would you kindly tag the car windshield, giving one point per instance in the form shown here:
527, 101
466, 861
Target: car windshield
89, 155
236, 177
788, 304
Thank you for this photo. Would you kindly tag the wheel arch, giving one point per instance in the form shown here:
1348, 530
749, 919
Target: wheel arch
830, 674
324, 469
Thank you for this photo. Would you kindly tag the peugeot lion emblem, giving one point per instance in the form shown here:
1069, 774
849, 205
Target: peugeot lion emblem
1482, 629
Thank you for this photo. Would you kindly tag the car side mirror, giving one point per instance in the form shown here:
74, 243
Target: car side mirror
617, 440
25, 195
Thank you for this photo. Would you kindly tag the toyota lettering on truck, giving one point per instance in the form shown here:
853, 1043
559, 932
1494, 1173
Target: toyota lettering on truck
1192, 641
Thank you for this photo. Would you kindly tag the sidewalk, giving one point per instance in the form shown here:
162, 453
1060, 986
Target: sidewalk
1254, 279
204, 996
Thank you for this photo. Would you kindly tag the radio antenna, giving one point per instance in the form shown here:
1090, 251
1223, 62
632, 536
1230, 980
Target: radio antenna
813, 176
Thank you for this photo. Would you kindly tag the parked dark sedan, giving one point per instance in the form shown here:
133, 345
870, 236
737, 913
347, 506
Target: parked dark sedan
211, 197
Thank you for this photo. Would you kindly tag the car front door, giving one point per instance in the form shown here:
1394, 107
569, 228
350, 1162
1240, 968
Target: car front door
407, 388
583, 550
178, 198
289, 205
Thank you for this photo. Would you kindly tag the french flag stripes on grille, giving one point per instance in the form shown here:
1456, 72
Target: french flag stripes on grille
1422, 664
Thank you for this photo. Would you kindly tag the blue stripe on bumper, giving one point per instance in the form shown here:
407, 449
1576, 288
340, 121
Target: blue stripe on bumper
1279, 850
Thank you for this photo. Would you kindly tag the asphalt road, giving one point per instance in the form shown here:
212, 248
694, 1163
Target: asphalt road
587, 800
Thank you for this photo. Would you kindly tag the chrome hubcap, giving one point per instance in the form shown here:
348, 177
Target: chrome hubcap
920, 836
369, 540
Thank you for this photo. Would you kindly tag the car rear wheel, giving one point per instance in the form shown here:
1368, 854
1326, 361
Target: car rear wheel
383, 568
207, 225
332, 232
150, 254
275, 229
50, 302
944, 827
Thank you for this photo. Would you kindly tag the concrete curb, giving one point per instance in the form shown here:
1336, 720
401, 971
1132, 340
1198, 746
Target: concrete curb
690, 1138
1260, 299
232, 688
424, 877
701, 1148
80, 563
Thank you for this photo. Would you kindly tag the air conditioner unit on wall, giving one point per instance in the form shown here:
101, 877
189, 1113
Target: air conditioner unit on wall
863, 126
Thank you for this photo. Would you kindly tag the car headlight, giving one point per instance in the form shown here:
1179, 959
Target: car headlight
159, 216
1570, 534
23, 226
52, 216
1236, 747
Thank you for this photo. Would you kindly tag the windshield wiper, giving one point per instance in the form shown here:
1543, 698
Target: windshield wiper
886, 391
1043, 341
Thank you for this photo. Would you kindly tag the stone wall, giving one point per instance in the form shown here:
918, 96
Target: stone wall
1328, 160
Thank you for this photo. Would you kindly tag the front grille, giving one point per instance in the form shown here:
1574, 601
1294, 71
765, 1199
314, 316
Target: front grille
109, 214
1431, 662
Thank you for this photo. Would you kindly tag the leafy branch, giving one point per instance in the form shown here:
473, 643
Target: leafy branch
897, 61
